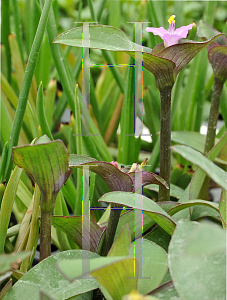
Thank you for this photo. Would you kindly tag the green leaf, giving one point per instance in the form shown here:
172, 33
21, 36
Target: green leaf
43, 296
113, 39
26, 85
126, 142
200, 174
116, 179
175, 191
121, 245
11, 261
203, 211
101, 37
154, 265
191, 203
197, 272
129, 218
45, 277
5, 276
47, 165
142, 203
115, 274
7, 205
170, 293
192, 139
159, 237
72, 226
206, 31
6, 288
223, 207
45, 127
213, 171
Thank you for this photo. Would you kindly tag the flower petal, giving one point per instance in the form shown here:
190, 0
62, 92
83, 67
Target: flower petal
183, 31
171, 39
157, 31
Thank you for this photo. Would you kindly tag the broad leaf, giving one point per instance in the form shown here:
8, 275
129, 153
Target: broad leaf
115, 274
197, 272
43, 296
213, 171
72, 226
142, 203
192, 203
116, 179
203, 211
45, 277
154, 264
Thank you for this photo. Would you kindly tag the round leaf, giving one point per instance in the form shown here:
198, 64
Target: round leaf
45, 277
197, 272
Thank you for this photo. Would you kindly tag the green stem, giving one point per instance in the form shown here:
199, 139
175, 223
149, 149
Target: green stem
211, 130
213, 117
17, 27
5, 31
45, 233
111, 230
26, 84
165, 142
41, 113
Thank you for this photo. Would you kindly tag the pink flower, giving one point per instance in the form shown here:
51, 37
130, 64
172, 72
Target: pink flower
171, 36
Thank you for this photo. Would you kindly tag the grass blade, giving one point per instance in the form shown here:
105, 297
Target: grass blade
27, 81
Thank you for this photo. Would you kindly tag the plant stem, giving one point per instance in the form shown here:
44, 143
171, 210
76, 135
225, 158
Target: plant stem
211, 130
165, 142
213, 117
26, 84
111, 230
45, 233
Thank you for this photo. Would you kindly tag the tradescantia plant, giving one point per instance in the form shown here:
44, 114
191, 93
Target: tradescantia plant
154, 254
163, 62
